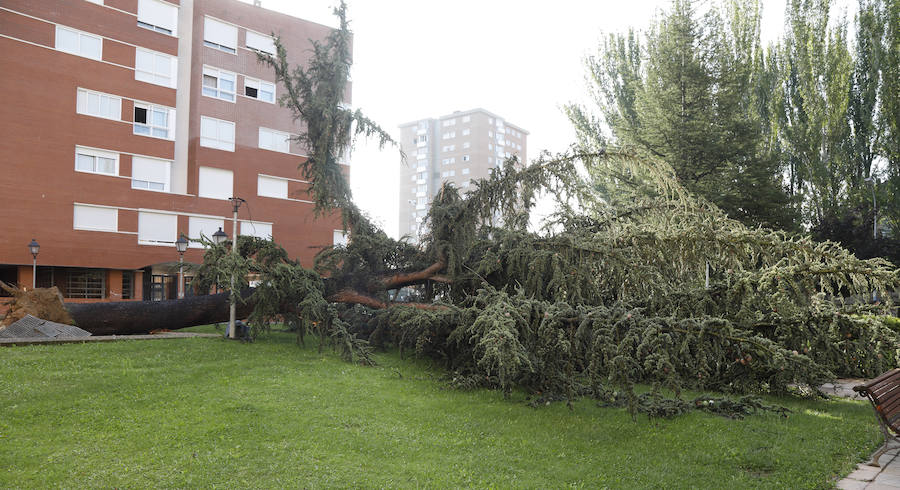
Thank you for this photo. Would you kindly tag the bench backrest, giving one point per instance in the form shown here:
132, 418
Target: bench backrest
884, 392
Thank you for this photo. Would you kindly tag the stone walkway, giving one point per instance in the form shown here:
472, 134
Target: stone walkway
865, 476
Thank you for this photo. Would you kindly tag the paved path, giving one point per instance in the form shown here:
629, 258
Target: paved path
865, 476
102, 338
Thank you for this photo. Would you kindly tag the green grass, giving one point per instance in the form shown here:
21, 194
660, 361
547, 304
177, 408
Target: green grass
213, 413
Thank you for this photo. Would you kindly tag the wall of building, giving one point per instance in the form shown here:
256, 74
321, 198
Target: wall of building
41, 126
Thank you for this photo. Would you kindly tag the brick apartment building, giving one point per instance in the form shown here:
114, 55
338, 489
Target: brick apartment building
126, 123
454, 148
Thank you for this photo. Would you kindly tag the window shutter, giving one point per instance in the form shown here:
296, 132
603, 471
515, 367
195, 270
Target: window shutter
157, 227
272, 187
158, 14
95, 218
216, 183
220, 33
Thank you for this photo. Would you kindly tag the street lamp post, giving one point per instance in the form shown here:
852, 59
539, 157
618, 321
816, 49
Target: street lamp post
181, 245
34, 248
871, 180
232, 313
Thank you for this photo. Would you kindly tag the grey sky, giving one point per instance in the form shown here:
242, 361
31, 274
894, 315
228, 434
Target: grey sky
519, 59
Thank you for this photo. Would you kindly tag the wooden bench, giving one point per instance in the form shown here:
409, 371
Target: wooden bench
884, 393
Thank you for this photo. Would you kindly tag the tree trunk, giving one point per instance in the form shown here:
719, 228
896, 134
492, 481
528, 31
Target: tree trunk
136, 317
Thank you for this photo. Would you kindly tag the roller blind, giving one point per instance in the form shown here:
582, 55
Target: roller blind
272, 187
216, 183
158, 14
257, 229
220, 33
205, 226
150, 170
260, 42
95, 218
157, 227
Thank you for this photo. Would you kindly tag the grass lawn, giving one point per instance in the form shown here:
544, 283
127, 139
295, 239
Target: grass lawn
209, 412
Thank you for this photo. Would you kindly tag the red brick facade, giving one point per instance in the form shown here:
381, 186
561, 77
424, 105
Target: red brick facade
41, 129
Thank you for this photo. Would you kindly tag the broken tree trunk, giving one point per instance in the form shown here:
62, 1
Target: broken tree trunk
122, 317
135, 317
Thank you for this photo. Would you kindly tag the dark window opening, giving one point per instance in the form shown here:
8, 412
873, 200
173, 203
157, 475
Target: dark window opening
88, 283
140, 115
127, 284
251, 92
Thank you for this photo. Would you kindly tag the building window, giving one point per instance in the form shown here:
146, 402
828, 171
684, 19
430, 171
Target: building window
257, 229
219, 84
153, 120
341, 238
199, 226
95, 218
259, 89
259, 42
127, 284
216, 133
270, 139
150, 174
88, 283
96, 162
157, 228
156, 68
157, 16
465, 158
215, 183
79, 43
451, 134
219, 35
449, 122
99, 105
448, 161
422, 188
465, 171
466, 145
466, 132
271, 187
421, 176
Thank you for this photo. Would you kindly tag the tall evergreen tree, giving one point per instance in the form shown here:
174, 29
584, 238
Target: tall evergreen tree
688, 96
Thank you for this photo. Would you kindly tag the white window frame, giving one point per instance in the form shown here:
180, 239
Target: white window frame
250, 82
82, 104
275, 136
95, 154
217, 142
113, 211
78, 50
152, 76
340, 238
218, 92
145, 185
142, 20
150, 126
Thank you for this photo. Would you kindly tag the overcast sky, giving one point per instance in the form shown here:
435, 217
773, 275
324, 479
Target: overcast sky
521, 60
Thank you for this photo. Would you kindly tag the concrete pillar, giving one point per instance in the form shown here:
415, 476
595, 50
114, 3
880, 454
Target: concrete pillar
183, 96
139, 285
24, 276
114, 285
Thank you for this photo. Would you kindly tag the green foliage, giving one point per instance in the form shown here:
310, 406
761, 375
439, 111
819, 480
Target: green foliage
691, 93
318, 96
